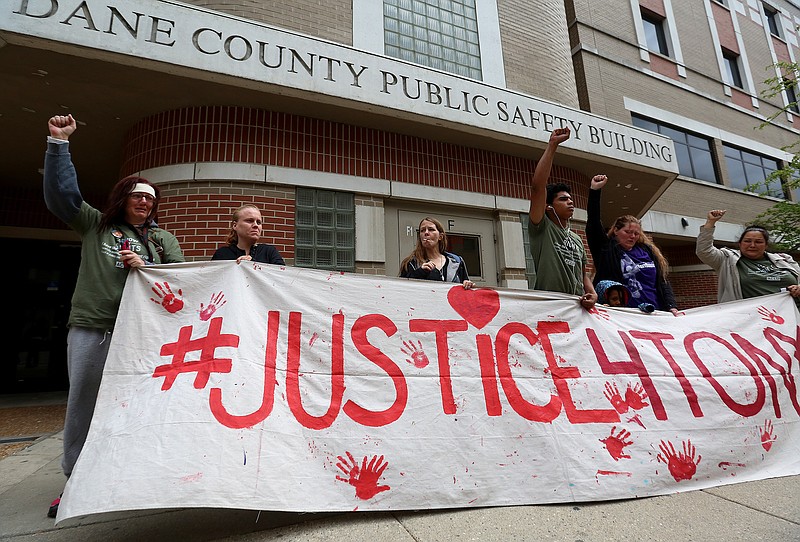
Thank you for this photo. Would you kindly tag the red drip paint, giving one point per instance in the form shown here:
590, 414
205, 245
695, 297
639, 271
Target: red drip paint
637, 420
724, 465
611, 473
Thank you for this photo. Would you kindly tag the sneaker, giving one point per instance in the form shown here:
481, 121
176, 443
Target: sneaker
53, 510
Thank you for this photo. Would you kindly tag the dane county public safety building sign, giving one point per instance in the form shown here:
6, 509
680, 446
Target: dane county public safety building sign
205, 41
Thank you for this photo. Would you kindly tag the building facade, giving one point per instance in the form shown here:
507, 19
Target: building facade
695, 71
347, 122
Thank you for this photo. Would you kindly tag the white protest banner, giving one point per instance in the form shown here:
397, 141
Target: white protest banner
277, 388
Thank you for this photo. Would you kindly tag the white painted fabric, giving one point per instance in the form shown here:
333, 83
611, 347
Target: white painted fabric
394, 394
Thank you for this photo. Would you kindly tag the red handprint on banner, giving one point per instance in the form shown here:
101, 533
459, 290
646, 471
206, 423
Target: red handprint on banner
615, 444
418, 358
363, 478
599, 312
767, 437
217, 301
682, 466
167, 299
614, 397
635, 396
770, 315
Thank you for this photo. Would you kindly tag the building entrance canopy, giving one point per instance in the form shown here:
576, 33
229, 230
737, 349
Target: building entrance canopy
178, 55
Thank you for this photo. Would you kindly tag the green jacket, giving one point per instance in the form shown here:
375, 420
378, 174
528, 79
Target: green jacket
101, 277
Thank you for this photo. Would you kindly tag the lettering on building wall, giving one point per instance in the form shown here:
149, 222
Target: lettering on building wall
214, 42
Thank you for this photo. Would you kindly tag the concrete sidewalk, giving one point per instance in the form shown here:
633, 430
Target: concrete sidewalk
767, 510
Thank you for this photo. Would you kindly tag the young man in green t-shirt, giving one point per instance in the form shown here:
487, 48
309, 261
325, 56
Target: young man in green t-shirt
558, 254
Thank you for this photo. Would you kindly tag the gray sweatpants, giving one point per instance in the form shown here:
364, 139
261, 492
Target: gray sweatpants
87, 350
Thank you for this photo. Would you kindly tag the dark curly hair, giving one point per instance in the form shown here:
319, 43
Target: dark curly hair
555, 188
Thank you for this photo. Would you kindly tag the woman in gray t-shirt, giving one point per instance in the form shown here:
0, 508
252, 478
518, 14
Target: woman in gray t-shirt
750, 271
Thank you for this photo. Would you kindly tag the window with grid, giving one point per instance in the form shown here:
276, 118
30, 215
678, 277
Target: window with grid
441, 34
654, 32
693, 151
748, 169
530, 269
325, 234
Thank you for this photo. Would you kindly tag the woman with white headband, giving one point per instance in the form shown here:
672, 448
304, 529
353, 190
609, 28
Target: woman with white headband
123, 236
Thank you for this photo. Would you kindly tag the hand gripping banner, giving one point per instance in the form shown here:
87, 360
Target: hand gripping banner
277, 388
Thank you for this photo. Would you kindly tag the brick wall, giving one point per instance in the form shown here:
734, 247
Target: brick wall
199, 214
694, 288
655, 6
255, 136
725, 29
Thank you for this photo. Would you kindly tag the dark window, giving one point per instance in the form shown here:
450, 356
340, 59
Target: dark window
654, 33
731, 60
790, 86
469, 248
772, 20
747, 169
693, 151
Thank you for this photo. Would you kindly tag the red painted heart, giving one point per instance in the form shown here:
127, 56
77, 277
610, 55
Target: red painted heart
478, 307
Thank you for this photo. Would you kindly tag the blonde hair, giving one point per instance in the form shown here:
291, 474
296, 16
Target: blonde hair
233, 239
643, 239
419, 251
